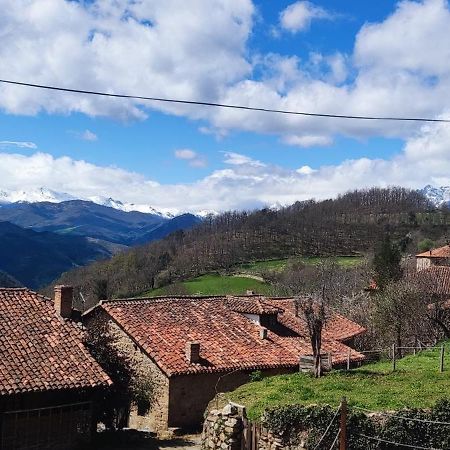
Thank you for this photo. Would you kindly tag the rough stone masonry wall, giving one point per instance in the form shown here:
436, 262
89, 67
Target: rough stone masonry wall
229, 429
156, 419
223, 429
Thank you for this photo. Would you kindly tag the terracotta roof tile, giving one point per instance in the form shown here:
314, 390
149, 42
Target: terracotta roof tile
441, 252
39, 350
228, 339
435, 279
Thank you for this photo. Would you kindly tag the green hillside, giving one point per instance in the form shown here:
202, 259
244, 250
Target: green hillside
280, 264
213, 284
417, 383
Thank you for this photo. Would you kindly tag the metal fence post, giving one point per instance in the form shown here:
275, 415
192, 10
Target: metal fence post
441, 366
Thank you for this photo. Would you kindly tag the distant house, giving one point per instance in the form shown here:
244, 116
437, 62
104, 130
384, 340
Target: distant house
195, 347
435, 257
48, 380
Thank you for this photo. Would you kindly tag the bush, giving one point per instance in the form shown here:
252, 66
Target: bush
295, 421
425, 245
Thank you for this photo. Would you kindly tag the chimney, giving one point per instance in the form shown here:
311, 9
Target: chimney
263, 333
63, 300
193, 352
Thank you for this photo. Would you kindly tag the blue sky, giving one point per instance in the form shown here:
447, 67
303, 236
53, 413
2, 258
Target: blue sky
351, 56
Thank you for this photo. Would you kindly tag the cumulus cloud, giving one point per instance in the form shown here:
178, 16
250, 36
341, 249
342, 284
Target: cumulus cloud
307, 140
243, 183
200, 50
299, 15
18, 144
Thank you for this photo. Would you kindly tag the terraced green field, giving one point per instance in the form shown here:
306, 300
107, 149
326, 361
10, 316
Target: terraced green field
214, 284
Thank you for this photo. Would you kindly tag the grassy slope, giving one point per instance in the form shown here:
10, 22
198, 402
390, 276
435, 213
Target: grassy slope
214, 284
417, 383
280, 264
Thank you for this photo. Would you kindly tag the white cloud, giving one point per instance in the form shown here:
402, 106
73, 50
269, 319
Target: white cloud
193, 158
307, 140
305, 170
18, 144
199, 50
244, 182
298, 16
236, 159
88, 135
185, 153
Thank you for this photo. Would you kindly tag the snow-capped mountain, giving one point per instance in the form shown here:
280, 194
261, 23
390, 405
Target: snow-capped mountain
34, 195
48, 195
128, 207
437, 195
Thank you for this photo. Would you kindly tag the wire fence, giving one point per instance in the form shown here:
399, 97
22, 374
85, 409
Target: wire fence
343, 435
395, 353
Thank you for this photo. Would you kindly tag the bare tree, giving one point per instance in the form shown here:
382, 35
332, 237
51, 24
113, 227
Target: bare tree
315, 316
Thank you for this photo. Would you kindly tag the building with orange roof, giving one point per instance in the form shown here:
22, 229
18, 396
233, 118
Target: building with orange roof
434, 257
48, 379
195, 347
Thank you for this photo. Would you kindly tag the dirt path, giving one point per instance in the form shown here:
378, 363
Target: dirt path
140, 440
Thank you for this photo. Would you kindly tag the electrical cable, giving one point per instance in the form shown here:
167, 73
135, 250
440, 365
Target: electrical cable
224, 105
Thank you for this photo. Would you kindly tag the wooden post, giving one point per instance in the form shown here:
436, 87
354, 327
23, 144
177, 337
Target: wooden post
348, 358
393, 357
441, 366
343, 424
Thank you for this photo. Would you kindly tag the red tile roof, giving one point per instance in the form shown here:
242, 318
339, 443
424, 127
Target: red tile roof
39, 350
435, 279
228, 339
441, 252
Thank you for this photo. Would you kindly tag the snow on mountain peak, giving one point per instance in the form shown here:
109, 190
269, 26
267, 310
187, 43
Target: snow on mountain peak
436, 195
48, 195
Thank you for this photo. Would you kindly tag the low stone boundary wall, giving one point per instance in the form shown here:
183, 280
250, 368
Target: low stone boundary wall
229, 429
223, 429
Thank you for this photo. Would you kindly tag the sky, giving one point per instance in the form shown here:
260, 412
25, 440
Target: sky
383, 58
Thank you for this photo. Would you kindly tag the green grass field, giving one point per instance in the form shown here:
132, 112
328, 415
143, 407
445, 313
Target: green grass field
416, 383
215, 284
279, 264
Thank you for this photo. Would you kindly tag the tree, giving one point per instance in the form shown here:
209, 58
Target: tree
425, 244
315, 305
387, 262
314, 312
401, 313
131, 383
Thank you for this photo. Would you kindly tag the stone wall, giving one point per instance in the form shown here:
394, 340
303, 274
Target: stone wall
223, 429
157, 418
229, 429
191, 394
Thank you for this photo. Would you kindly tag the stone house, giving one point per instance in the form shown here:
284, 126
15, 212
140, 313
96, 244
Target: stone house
48, 380
194, 347
435, 257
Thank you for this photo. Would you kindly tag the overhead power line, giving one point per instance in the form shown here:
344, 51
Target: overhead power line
224, 105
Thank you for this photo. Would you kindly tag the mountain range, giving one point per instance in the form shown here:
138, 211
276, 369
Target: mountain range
42, 239
44, 194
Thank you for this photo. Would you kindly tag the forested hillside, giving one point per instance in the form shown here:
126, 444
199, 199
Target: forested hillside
350, 224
